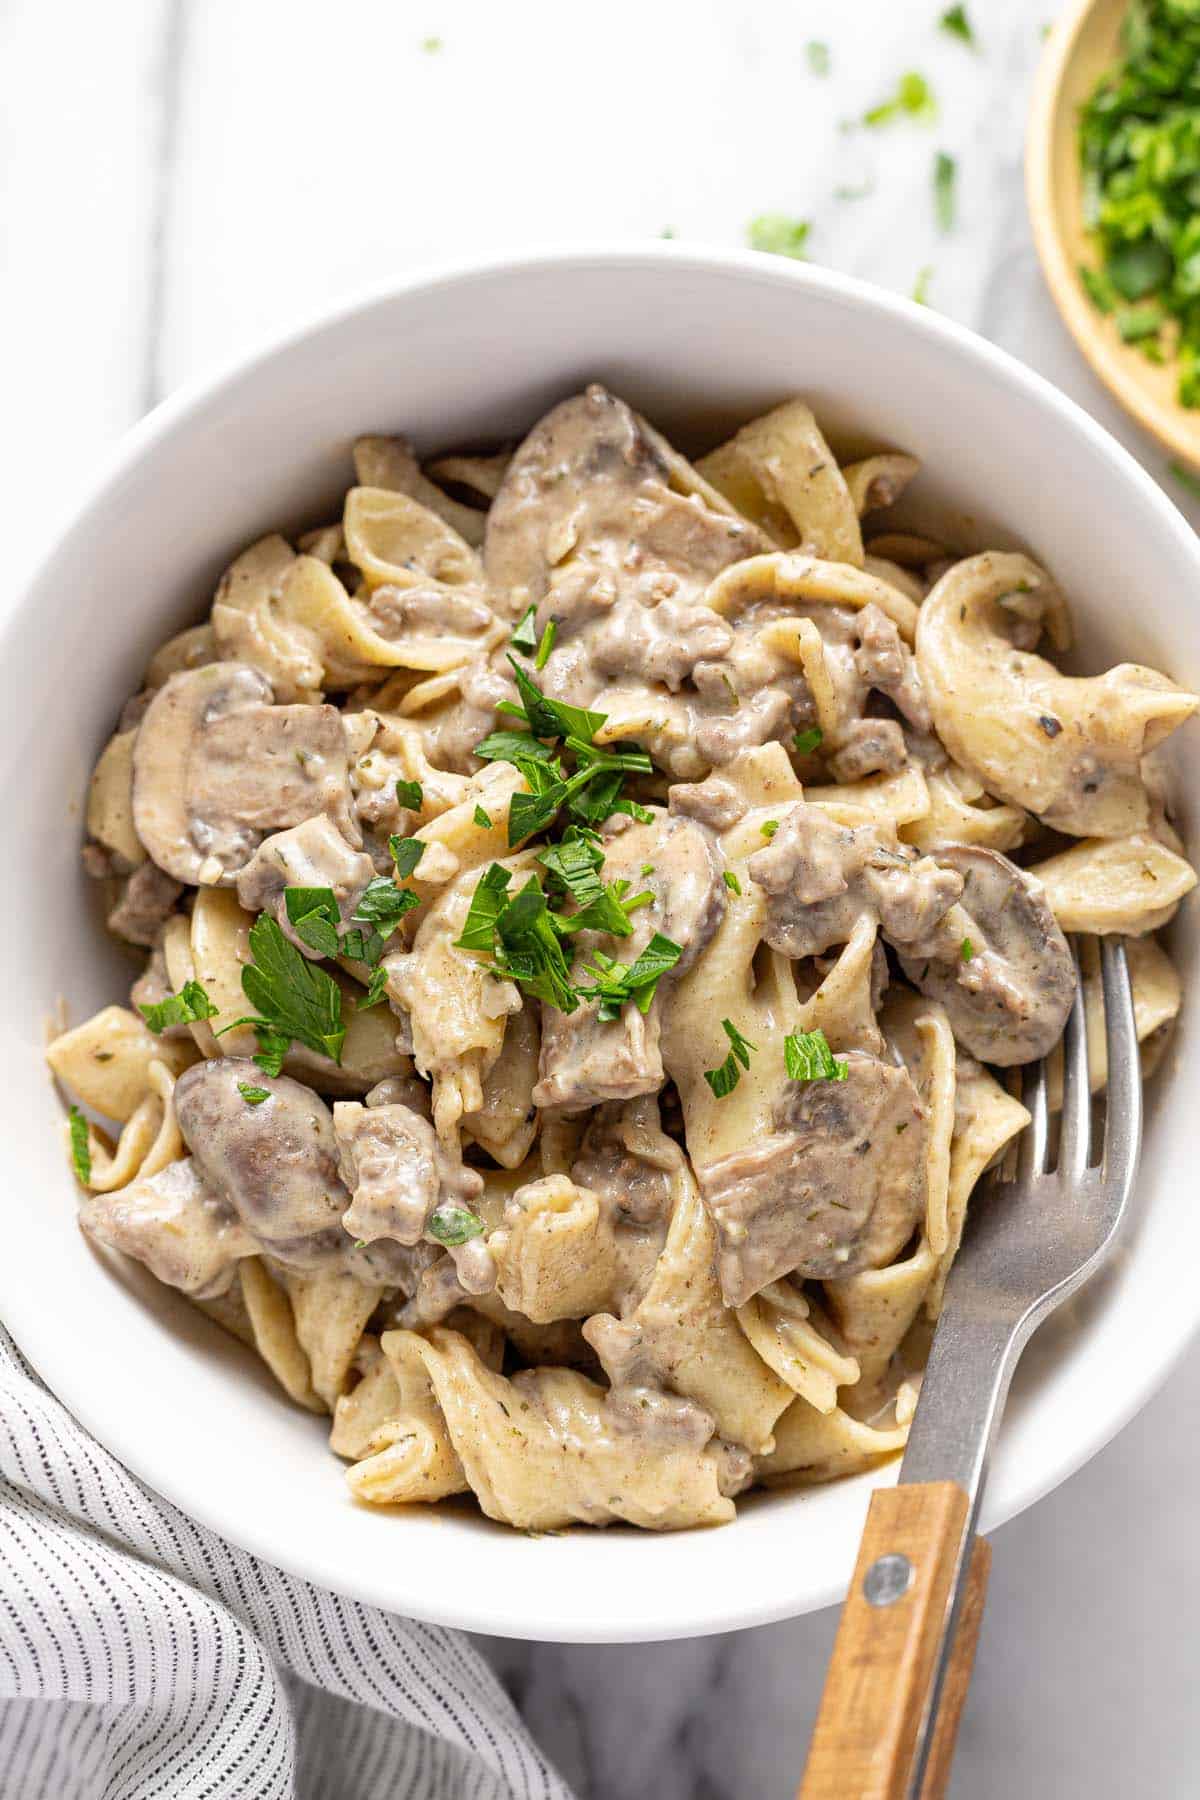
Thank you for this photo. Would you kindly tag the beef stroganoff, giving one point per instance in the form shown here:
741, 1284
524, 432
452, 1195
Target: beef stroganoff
589, 906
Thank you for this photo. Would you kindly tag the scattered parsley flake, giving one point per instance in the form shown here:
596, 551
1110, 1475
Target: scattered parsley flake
920, 291
409, 795
861, 192
819, 60
724, 1079
769, 829
546, 645
184, 1008
732, 882
955, 21
913, 99
454, 1225
253, 1096
808, 741
482, 818
945, 171
431, 45
524, 635
81, 1149
966, 949
778, 234
807, 1057
406, 854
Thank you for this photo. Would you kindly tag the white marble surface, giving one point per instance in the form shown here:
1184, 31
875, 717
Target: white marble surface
178, 180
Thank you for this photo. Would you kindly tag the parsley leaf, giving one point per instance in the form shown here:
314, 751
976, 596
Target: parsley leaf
955, 21
296, 1000
453, 1225
546, 645
409, 794
406, 853
383, 903
553, 718
376, 991
808, 741
253, 1096
732, 882
920, 289
482, 818
189, 1004
768, 828
314, 916
524, 635
724, 1079
818, 56
807, 1057
616, 983
913, 97
487, 903
966, 949
514, 747
945, 171
81, 1149
779, 235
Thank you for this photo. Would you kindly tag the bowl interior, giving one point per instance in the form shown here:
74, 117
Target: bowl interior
1082, 46
698, 342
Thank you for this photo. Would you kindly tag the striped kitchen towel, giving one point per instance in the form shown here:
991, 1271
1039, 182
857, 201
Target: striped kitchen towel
142, 1656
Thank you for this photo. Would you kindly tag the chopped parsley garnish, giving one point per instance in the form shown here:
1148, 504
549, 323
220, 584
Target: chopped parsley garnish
920, 289
431, 45
724, 1079
818, 56
732, 882
409, 794
514, 747
1185, 477
184, 1008
912, 99
552, 718
376, 991
945, 171
860, 192
295, 1000
454, 1225
314, 916
406, 853
383, 903
769, 828
616, 982
253, 1096
81, 1149
955, 21
1100, 290
779, 235
545, 645
807, 1057
524, 635
482, 818
1139, 148
808, 741
966, 949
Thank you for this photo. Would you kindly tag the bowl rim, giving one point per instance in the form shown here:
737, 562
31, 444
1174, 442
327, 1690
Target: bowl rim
53, 1355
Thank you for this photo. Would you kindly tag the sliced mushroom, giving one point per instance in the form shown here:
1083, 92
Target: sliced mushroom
313, 854
216, 767
838, 1186
1067, 748
1006, 979
587, 512
174, 1222
586, 1061
274, 1161
822, 877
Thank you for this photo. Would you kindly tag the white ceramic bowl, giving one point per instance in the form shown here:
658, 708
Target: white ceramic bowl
698, 340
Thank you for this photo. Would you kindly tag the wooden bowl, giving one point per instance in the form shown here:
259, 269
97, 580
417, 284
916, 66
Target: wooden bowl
1081, 46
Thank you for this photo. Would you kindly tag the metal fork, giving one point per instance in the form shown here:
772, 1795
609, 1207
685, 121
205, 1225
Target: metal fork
902, 1660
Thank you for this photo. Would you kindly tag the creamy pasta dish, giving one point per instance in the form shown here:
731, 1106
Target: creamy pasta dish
590, 905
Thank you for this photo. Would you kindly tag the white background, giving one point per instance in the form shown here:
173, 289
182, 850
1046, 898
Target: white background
181, 178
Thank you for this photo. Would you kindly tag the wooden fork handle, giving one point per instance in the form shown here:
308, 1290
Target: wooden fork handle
886, 1648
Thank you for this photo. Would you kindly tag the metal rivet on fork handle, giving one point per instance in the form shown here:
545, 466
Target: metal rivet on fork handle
888, 1579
